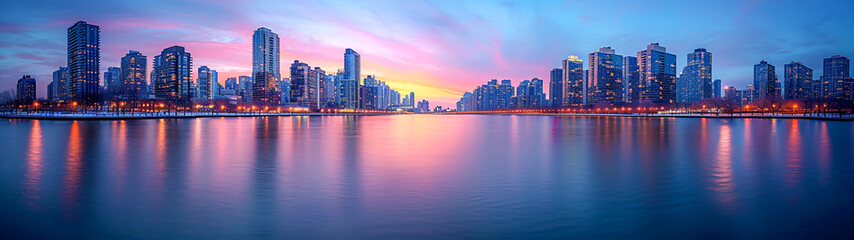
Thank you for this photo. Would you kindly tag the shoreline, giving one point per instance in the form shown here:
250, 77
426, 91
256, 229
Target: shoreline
97, 116
767, 116
102, 116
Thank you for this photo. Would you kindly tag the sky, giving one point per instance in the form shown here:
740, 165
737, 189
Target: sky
437, 49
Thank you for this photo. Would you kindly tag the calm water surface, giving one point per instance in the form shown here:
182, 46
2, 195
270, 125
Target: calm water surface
436, 177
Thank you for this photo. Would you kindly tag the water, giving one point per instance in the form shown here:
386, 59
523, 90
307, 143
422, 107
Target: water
436, 177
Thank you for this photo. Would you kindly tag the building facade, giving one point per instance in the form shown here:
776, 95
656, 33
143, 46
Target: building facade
630, 78
84, 62
834, 79
574, 83
174, 68
696, 78
133, 77
765, 81
265, 52
797, 81
61, 85
657, 74
350, 83
26, 90
204, 83
605, 77
556, 87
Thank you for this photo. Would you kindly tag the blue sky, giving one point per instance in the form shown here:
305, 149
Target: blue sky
438, 49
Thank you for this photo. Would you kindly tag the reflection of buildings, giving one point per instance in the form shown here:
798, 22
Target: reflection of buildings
721, 179
34, 162
73, 167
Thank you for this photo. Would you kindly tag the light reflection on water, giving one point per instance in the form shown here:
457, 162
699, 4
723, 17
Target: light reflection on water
426, 176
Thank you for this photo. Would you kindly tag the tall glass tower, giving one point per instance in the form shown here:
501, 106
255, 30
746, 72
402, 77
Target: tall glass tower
174, 67
765, 81
352, 75
84, 62
697, 76
657, 75
573, 82
265, 52
797, 79
556, 87
605, 80
836, 72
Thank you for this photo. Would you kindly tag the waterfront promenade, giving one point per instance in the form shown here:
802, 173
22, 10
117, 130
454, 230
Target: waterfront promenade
149, 115
157, 115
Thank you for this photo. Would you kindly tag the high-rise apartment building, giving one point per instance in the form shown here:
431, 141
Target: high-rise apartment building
657, 78
573, 82
835, 79
797, 81
84, 62
696, 78
350, 83
556, 87
174, 67
765, 81
133, 75
26, 90
605, 77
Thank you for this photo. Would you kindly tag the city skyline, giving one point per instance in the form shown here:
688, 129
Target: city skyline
440, 53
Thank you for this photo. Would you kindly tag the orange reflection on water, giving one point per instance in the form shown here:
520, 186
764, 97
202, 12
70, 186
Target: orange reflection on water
73, 165
722, 173
121, 150
795, 155
824, 152
160, 155
34, 163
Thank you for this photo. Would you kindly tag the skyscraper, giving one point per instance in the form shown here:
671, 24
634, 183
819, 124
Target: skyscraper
797, 79
657, 76
315, 87
61, 86
174, 69
630, 79
836, 72
265, 52
26, 89
765, 81
556, 87
605, 80
84, 62
352, 75
573, 82
300, 80
412, 99
330, 91
215, 83
133, 75
696, 77
205, 83
265, 67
